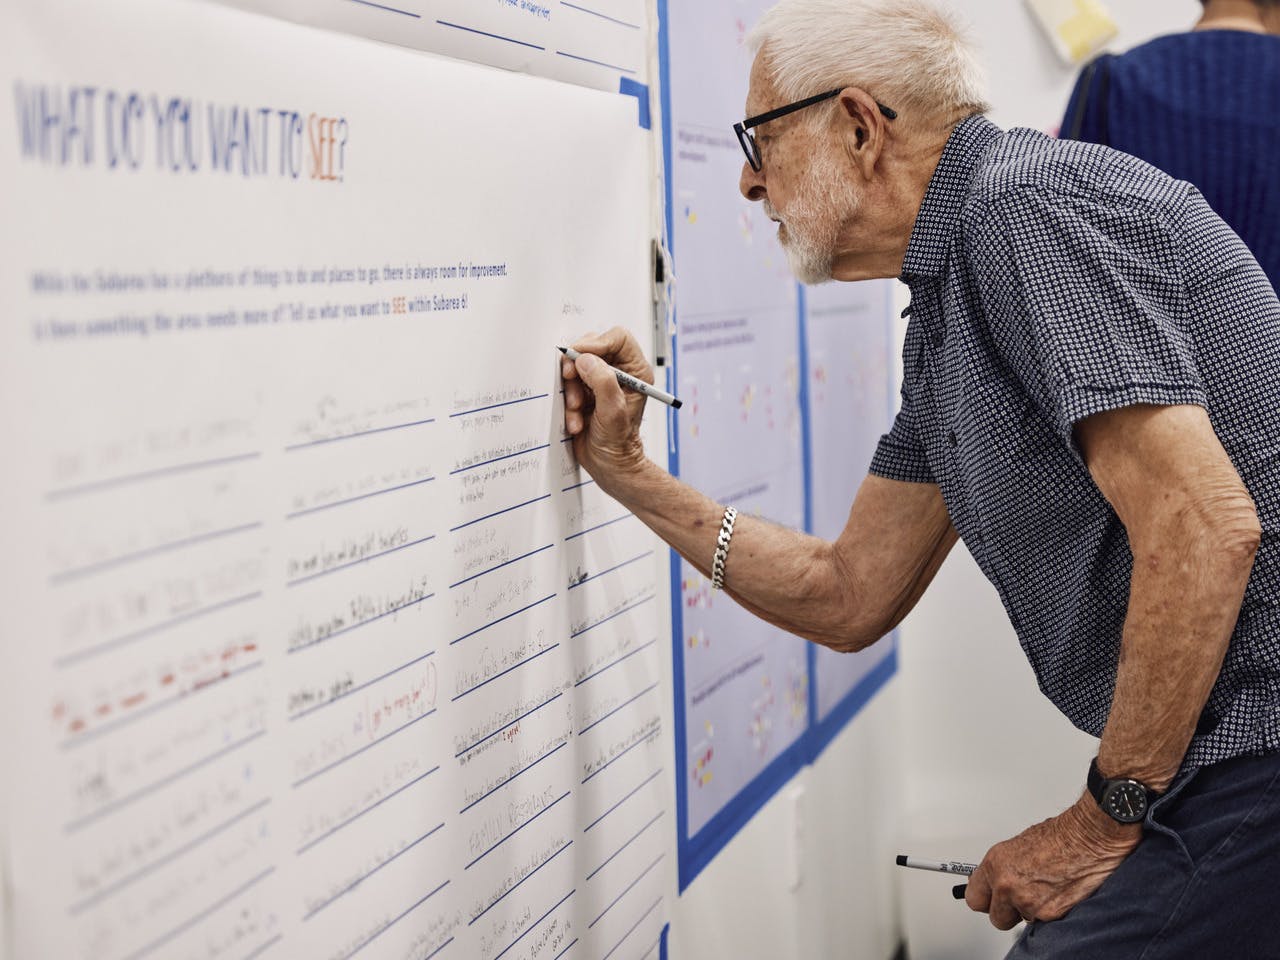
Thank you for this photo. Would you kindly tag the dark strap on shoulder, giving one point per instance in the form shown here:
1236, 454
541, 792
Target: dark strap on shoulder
1097, 71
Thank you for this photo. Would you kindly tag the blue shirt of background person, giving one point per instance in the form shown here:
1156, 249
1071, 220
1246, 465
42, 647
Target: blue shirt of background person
1202, 106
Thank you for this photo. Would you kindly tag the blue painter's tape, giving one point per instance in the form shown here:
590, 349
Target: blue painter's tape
662, 942
630, 88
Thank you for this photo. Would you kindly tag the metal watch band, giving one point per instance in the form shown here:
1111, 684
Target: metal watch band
722, 548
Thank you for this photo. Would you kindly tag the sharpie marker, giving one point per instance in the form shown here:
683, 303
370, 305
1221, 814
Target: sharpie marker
941, 866
628, 382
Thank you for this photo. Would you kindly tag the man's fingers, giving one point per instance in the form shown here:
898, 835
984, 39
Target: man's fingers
978, 895
617, 347
610, 404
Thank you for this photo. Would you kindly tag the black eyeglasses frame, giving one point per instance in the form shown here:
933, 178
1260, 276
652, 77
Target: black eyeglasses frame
748, 141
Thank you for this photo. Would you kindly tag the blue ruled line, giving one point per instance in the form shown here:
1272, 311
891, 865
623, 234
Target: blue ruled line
356, 626
363, 496
265, 947
92, 568
495, 36
584, 483
574, 536
517, 830
379, 6
512, 777
629, 795
391, 923
507, 456
490, 736
534, 924
169, 857
598, 63
356, 816
567, 845
356, 563
186, 924
359, 433
632, 930
505, 563
597, 13
493, 623
635, 836
505, 403
355, 883
619, 613
631, 653
645, 739
626, 890
368, 746
438, 949
367, 683
565, 950
498, 513
647, 553
515, 666
625, 703
177, 775
128, 478
128, 638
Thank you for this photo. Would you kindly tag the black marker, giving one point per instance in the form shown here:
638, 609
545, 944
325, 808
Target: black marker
941, 866
628, 382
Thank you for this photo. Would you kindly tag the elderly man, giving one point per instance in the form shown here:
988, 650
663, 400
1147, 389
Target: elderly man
1091, 400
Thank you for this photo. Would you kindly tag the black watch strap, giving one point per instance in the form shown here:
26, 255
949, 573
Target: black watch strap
1123, 799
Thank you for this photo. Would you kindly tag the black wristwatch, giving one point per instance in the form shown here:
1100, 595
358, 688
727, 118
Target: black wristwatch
1123, 800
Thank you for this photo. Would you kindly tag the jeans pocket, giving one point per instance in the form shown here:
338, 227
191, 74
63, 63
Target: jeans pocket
1162, 805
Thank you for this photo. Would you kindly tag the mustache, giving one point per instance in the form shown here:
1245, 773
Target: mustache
770, 212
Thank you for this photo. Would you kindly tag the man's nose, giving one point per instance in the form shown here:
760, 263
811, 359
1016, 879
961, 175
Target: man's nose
751, 183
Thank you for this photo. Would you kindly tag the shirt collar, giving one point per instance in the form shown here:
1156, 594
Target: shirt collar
947, 192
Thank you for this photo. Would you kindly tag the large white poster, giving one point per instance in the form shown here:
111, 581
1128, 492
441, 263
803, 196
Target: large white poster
317, 643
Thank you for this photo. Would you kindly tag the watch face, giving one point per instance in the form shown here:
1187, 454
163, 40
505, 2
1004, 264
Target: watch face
1125, 800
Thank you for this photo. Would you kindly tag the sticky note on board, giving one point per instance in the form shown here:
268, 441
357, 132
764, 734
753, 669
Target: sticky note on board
1076, 28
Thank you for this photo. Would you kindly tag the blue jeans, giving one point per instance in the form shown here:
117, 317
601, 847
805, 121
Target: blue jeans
1204, 883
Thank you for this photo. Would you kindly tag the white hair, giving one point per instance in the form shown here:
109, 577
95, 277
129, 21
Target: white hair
911, 55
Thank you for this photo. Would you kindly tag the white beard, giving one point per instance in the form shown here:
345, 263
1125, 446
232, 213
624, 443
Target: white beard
825, 200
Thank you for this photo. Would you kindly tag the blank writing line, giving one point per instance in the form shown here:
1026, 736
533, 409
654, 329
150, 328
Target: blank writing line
93, 651
97, 567
505, 456
565, 950
562, 849
356, 816
370, 3
129, 718
147, 475
390, 923
505, 403
615, 662
517, 830
617, 613
629, 795
632, 930
493, 623
445, 23
515, 666
363, 496
265, 947
353, 563
129, 798
357, 626
186, 848
498, 513
621, 23
598, 63
595, 576
505, 563
359, 880
635, 836
438, 949
584, 483
534, 924
186, 924
489, 736
367, 683
368, 746
625, 703
645, 739
626, 890
360, 433
580, 533
499, 786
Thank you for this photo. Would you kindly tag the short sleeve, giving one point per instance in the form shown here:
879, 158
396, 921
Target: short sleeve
1085, 300
900, 453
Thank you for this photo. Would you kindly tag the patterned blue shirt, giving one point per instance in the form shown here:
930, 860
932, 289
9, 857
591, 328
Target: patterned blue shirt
1050, 281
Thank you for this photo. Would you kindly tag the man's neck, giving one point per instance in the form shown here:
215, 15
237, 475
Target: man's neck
1232, 15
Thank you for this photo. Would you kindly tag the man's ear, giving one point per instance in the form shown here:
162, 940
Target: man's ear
863, 129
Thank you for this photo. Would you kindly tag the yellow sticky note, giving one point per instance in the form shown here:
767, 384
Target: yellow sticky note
1076, 28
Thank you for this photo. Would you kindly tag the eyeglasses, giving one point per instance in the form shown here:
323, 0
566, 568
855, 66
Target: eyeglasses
748, 141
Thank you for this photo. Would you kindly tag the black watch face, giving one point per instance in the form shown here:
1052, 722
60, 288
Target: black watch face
1125, 800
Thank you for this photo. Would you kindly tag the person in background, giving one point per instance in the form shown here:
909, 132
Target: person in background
1203, 106
1090, 400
